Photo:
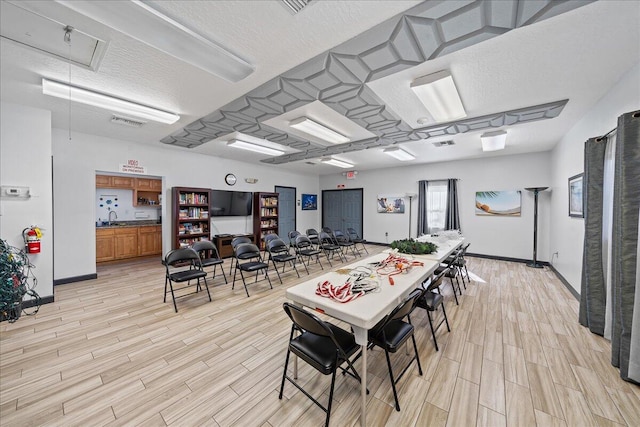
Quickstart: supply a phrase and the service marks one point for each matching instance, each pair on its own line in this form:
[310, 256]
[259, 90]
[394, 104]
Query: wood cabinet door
[122, 182]
[105, 246]
[126, 242]
[103, 181]
[143, 183]
[150, 241]
[156, 184]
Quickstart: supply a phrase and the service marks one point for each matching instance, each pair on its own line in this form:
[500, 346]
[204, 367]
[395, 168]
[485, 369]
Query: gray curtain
[625, 277]
[593, 289]
[626, 209]
[452, 218]
[423, 226]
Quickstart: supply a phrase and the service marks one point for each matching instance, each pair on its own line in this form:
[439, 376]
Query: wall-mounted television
[230, 203]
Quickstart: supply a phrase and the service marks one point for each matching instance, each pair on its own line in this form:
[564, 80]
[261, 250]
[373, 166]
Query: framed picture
[576, 208]
[390, 204]
[498, 203]
[309, 202]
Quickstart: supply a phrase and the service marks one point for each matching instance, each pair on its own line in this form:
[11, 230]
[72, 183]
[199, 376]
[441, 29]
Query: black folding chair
[235, 242]
[279, 252]
[392, 332]
[345, 243]
[249, 260]
[183, 265]
[322, 345]
[356, 239]
[431, 301]
[209, 256]
[305, 248]
[329, 247]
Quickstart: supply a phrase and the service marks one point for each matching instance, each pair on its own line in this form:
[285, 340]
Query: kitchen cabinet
[150, 240]
[148, 184]
[105, 245]
[114, 181]
[117, 243]
[103, 181]
[147, 192]
[126, 242]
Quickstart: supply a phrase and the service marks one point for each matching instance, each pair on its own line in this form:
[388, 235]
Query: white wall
[567, 159]
[122, 205]
[76, 161]
[499, 236]
[25, 160]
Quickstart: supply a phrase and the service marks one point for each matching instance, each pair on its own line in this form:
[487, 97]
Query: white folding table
[364, 312]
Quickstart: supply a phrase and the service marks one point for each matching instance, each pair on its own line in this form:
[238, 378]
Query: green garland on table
[414, 247]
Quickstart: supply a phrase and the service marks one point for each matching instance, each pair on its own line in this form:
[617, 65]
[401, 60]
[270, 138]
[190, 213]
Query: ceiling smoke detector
[127, 121]
[444, 143]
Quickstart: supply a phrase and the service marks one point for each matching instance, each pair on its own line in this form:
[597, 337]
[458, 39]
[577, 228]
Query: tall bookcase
[190, 215]
[265, 216]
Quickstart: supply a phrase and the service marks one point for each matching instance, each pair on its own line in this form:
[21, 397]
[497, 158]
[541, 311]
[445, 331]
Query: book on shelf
[192, 199]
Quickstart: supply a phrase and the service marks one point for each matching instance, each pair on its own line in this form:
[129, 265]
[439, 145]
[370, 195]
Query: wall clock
[230, 179]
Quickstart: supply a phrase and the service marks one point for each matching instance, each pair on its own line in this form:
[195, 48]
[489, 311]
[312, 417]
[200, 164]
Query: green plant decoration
[410, 246]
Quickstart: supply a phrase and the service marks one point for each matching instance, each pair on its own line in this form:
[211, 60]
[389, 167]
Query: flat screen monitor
[230, 203]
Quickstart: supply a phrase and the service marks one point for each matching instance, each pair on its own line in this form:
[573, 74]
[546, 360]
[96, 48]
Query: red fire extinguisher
[31, 236]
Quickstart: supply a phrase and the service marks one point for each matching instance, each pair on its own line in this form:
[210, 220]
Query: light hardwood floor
[109, 352]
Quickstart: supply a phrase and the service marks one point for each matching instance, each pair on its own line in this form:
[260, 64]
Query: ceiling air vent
[126, 121]
[444, 143]
[295, 6]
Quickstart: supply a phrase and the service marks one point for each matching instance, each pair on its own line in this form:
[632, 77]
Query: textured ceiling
[338, 79]
[356, 59]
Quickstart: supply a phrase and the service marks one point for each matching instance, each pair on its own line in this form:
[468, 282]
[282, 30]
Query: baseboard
[75, 279]
[565, 282]
[32, 302]
[13, 315]
[377, 243]
[504, 258]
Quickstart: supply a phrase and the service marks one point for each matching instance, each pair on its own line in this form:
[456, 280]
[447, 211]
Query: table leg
[363, 387]
[362, 339]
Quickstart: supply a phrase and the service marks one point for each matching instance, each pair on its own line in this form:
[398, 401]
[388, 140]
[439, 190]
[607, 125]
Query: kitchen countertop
[129, 224]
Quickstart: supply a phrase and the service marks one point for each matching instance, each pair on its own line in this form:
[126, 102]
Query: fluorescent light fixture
[438, 93]
[312, 128]
[100, 100]
[243, 145]
[399, 153]
[336, 162]
[492, 141]
[141, 21]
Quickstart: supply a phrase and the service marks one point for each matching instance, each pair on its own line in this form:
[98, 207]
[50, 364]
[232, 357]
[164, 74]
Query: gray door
[287, 211]
[342, 209]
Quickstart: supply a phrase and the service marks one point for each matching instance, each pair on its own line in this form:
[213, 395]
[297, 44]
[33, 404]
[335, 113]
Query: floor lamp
[410, 196]
[535, 191]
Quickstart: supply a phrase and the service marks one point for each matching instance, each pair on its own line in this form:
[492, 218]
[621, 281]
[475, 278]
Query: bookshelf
[265, 216]
[190, 215]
